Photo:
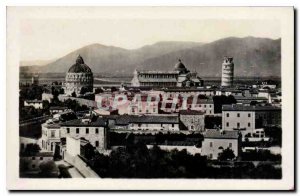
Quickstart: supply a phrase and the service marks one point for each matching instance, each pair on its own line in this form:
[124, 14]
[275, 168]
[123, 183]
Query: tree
[222, 100]
[32, 149]
[226, 154]
[73, 94]
[98, 90]
[48, 169]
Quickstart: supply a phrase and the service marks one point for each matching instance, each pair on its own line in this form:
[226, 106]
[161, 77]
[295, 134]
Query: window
[52, 133]
[210, 106]
[97, 143]
[205, 106]
[97, 131]
[238, 125]
[249, 115]
[227, 115]
[172, 125]
[33, 158]
[68, 130]
[139, 125]
[77, 130]
[41, 158]
[249, 124]
[230, 145]
[87, 130]
[210, 144]
[227, 124]
[238, 114]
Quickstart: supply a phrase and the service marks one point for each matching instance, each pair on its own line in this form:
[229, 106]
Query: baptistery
[79, 78]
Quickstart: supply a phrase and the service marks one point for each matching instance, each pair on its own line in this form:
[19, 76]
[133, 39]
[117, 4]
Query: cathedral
[79, 78]
[179, 77]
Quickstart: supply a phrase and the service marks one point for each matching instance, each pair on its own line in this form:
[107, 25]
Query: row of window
[87, 130]
[238, 115]
[157, 76]
[139, 125]
[237, 124]
[211, 145]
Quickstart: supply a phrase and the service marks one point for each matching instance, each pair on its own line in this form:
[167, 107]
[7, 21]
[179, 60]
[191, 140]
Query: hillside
[252, 57]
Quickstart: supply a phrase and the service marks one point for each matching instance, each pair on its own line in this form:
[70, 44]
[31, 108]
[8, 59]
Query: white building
[215, 141]
[37, 104]
[249, 118]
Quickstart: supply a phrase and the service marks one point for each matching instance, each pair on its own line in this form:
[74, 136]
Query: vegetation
[48, 170]
[260, 155]
[212, 122]
[226, 154]
[31, 149]
[222, 100]
[117, 139]
[137, 161]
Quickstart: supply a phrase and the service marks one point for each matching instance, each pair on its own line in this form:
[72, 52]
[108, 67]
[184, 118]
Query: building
[180, 77]
[249, 118]
[192, 120]
[79, 78]
[32, 162]
[35, 79]
[143, 104]
[93, 129]
[215, 141]
[37, 104]
[227, 72]
[79, 146]
[57, 109]
[144, 123]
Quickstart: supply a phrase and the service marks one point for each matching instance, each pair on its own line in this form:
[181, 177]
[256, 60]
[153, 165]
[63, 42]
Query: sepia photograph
[150, 98]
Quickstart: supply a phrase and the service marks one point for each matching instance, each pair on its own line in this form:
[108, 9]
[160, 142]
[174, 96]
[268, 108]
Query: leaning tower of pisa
[227, 72]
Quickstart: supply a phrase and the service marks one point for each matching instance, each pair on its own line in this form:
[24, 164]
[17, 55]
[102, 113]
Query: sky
[48, 39]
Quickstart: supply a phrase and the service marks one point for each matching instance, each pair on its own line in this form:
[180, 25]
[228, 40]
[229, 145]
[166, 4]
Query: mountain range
[252, 57]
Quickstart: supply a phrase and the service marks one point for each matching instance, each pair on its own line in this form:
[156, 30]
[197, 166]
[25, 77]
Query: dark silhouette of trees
[226, 154]
[222, 100]
[31, 149]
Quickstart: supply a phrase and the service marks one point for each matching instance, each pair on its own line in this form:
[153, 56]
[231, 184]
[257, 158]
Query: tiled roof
[217, 134]
[58, 108]
[240, 107]
[157, 72]
[191, 112]
[127, 119]
[34, 101]
[98, 122]
[141, 79]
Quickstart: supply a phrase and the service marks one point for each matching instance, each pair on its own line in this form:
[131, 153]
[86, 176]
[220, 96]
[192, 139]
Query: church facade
[179, 77]
[79, 78]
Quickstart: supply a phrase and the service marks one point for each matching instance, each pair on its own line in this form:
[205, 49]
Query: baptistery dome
[79, 78]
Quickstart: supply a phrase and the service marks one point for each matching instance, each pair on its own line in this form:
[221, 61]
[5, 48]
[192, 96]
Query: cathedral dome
[180, 67]
[79, 66]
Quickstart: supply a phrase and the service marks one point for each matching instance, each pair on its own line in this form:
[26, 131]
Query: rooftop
[95, 122]
[240, 107]
[190, 112]
[217, 134]
[127, 119]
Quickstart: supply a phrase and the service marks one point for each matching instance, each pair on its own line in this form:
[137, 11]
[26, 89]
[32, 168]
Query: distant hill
[252, 57]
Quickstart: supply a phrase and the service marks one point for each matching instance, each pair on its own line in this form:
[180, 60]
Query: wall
[213, 152]
[92, 136]
[81, 166]
[232, 120]
[193, 122]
